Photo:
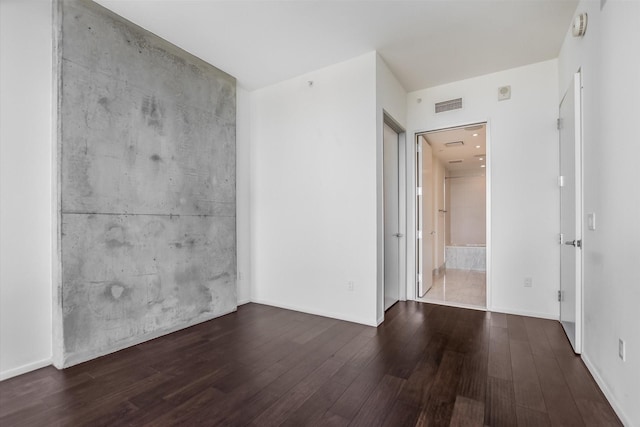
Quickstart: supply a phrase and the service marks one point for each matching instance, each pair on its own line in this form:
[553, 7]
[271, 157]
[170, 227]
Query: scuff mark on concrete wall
[147, 143]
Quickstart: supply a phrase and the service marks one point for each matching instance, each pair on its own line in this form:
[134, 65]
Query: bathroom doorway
[451, 200]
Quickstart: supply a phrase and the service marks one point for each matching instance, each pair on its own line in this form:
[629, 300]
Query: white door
[570, 294]
[392, 235]
[425, 203]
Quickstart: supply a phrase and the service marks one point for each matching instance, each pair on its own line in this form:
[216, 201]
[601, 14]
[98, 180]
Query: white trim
[389, 120]
[550, 316]
[580, 213]
[10, 373]
[606, 391]
[411, 157]
[488, 202]
[577, 87]
[243, 301]
[315, 312]
[576, 83]
[402, 215]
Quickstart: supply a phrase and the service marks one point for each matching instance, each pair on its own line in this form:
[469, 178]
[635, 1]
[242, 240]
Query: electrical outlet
[528, 282]
[350, 286]
[621, 349]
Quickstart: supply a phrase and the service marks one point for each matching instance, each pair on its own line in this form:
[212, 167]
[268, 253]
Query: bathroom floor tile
[466, 287]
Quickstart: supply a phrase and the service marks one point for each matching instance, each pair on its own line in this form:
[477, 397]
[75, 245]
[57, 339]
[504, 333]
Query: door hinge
[419, 278]
[418, 191]
[419, 234]
[419, 150]
[559, 123]
[561, 238]
[560, 296]
[561, 181]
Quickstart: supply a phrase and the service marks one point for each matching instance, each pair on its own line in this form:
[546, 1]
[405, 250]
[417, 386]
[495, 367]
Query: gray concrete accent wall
[146, 160]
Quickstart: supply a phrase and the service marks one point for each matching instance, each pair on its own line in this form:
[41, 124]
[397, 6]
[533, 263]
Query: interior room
[211, 213]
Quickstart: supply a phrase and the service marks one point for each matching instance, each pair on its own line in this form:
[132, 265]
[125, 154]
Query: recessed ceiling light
[475, 134]
[477, 146]
[482, 166]
[480, 158]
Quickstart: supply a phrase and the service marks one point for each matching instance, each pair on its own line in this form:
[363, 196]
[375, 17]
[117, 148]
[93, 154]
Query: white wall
[25, 185]
[243, 194]
[313, 192]
[608, 56]
[466, 210]
[391, 98]
[523, 163]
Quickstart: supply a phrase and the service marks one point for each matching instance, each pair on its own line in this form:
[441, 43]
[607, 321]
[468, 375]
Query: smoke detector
[504, 93]
[579, 25]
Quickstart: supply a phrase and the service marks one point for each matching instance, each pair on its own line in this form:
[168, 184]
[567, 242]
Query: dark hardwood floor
[264, 366]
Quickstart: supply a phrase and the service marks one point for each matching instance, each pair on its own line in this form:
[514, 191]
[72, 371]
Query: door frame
[402, 216]
[576, 82]
[412, 221]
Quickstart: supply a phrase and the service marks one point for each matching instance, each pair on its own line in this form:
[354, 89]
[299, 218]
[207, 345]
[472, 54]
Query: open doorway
[451, 238]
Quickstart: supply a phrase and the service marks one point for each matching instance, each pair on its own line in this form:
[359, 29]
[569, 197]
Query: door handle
[574, 243]
[399, 235]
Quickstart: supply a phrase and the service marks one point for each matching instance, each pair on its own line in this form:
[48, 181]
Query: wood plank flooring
[264, 366]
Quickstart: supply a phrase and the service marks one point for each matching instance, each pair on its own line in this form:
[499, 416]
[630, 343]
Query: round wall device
[580, 25]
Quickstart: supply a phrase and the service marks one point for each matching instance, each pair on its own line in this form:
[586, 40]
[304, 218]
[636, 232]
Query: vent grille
[454, 144]
[452, 104]
[455, 161]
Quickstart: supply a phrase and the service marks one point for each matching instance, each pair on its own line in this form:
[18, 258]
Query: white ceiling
[425, 43]
[472, 151]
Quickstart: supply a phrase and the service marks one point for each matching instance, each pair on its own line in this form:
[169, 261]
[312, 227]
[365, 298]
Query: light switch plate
[591, 221]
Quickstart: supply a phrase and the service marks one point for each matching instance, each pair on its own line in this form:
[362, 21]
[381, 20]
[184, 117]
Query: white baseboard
[243, 301]
[525, 313]
[315, 312]
[10, 373]
[607, 392]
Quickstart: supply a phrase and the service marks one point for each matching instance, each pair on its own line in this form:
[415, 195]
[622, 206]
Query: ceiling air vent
[452, 104]
[454, 144]
[455, 161]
